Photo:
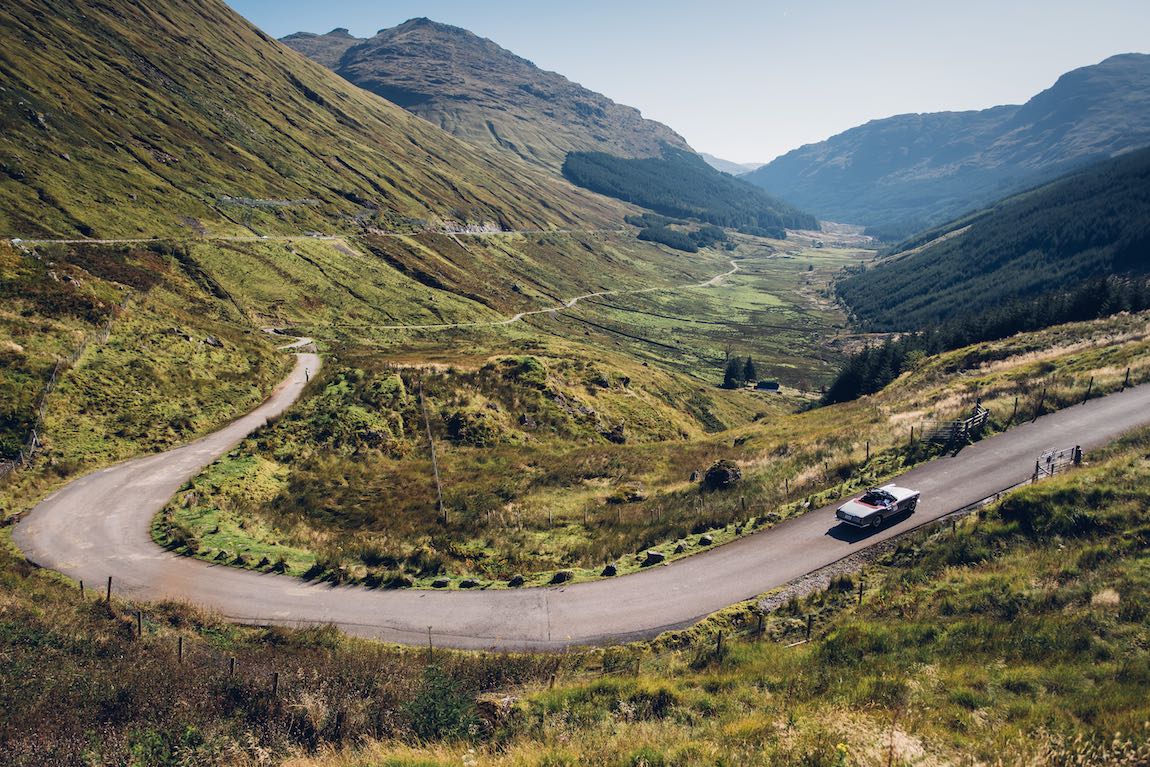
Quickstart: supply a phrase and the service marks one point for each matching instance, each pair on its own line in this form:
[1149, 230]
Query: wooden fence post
[108, 595]
[1041, 402]
[1014, 413]
[275, 684]
[868, 451]
[810, 624]
[81, 588]
[180, 649]
[139, 623]
[232, 666]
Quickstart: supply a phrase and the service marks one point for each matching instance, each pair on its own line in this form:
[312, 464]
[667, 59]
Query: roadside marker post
[139, 623]
[81, 589]
[810, 624]
[232, 666]
[180, 649]
[1089, 389]
[108, 596]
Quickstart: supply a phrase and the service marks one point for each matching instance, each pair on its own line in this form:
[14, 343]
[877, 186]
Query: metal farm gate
[1056, 461]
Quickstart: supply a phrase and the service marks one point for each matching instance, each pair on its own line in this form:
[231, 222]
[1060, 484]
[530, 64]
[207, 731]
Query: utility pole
[440, 508]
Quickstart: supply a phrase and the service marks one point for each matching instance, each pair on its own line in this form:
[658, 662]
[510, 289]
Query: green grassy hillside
[124, 120]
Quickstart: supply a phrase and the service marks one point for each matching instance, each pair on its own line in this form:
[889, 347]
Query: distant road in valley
[98, 526]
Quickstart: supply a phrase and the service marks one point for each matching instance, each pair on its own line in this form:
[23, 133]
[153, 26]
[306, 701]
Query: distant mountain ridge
[727, 166]
[479, 91]
[908, 172]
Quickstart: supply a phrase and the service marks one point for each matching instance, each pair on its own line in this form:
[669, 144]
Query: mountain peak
[478, 90]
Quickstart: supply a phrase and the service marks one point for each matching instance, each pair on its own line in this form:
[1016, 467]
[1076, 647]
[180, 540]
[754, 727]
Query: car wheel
[876, 522]
[912, 505]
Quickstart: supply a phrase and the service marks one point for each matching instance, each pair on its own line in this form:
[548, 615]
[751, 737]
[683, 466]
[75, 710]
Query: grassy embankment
[1017, 639]
[178, 360]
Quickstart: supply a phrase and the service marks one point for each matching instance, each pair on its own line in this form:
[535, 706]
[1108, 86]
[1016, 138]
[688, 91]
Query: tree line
[872, 368]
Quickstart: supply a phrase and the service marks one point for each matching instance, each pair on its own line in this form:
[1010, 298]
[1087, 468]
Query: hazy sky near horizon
[748, 80]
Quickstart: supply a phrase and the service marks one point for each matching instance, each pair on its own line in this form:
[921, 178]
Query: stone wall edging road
[99, 526]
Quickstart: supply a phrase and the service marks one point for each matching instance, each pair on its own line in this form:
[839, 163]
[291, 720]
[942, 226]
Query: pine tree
[750, 375]
[733, 374]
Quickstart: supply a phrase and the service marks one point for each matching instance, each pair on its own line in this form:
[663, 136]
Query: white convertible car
[871, 508]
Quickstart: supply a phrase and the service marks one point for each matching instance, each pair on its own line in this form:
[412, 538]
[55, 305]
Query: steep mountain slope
[125, 119]
[477, 90]
[1091, 224]
[912, 171]
[682, 184]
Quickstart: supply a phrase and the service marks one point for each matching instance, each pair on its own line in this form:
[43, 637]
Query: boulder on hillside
[722, 475]
[653, 558]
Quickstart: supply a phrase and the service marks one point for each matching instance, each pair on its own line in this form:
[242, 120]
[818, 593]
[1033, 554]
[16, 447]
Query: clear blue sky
[750, 79]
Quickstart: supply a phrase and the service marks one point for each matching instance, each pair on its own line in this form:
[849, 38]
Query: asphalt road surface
[98, 526]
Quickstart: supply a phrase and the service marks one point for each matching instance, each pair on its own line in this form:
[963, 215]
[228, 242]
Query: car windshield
[875, 497]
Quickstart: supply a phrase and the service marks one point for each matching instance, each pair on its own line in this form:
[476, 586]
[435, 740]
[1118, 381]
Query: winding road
[98, 526]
